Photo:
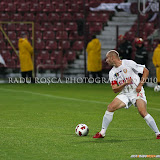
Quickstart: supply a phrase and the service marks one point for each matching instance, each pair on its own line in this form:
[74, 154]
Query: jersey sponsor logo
[121, 82]
[116, 74]
[125, 70]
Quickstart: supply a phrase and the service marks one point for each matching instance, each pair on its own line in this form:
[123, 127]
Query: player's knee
[110, 108]
[143, 113]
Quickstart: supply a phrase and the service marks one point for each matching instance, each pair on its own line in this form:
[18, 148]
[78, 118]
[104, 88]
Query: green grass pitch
[37, 122]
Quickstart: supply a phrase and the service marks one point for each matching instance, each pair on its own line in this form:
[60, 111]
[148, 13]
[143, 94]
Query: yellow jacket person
[156, 62]
[94, 62]
[25, 55]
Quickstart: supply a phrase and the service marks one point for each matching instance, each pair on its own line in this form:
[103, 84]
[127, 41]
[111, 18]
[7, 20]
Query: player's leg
[24, 75]
[158, 75]
[108, 116]
[141, 105]
[30, 75]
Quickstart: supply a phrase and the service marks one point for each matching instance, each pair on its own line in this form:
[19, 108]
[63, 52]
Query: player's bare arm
[119, 88]
[143, 79]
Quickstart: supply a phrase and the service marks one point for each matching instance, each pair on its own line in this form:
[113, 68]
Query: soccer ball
[81, 130]
[157, 88]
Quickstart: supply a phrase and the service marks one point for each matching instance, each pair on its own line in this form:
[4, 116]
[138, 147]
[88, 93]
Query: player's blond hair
[113, 52]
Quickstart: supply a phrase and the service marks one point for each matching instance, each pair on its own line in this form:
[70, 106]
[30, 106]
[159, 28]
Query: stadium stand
[56, 27]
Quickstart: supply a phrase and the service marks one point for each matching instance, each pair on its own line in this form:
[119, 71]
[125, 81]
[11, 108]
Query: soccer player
[124, 79]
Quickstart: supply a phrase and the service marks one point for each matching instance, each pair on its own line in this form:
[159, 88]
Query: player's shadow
[105, 140]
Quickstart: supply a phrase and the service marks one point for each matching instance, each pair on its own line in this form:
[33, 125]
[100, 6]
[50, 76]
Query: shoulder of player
[112, 71]
[126, 61]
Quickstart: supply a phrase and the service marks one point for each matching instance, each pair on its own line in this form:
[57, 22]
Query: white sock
[107, 118]
[151, 123]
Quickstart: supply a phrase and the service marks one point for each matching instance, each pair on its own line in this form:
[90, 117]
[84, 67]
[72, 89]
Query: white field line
[56, 97]
[69, 99]
[56, 127]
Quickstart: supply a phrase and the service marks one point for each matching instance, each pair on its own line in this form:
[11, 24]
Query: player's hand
[138, 89]
[129, 81]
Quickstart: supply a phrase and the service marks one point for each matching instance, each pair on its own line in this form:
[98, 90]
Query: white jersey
[128, 69]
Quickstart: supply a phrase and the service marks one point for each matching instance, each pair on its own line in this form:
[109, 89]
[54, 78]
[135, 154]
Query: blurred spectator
[141, 55]
[156, 62]
[94, 62]
[124, 47]
[25, 57]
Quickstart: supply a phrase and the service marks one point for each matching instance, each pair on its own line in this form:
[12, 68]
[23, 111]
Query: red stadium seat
[23, 7]
[78, 45]
[2, 6]
[62, 35]
[41, 17]
[11, 7]
[63, 44]
[143, 35]
[53, 17]
[39, 45]
[46, 26]
[37, 26]
[103, 17]
[6, 54]
[15, 57]
[1, 35]
[11, 27]
[58, 26]
[2, 44]
[94, 3]
[14, 43]
[4, 17]
[48, 35]
[73, 35]
[68, 2]
[149, 28]
[78, 16]
[12, 35]
[43, 2]
[60, 7]
[48, 7]
[95, 27]
[66, 17]
[10, 63]
[92, 17]
[32, 1]
[50, 45]
[71, 26]
[43, 56]
[38, 61]
[56, 57]
[29, 17]
[16, 2]
[16, 17]
[71, 56]
[55, 2]
[35, 7]
[130, 36]
[73, 8]
[60, 61]
[81, 1]
[38, 35]
[6, 1]
[21, 27]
